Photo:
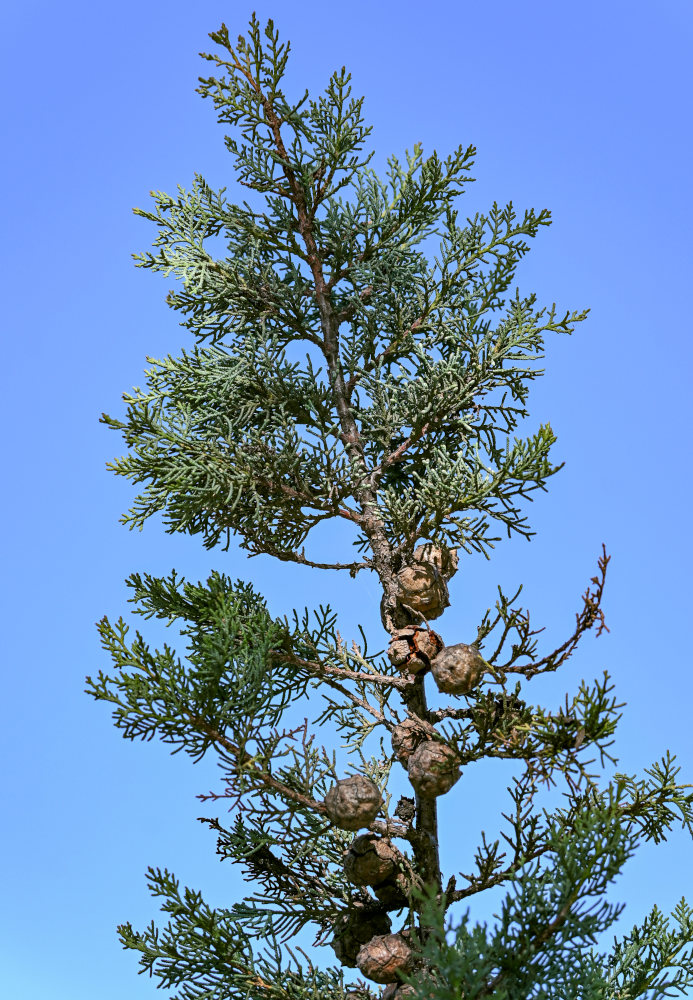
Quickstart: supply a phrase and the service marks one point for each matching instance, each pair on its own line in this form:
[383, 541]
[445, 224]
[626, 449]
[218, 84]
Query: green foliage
[337, 373]
[653, 961]
[543, 943]
[240, 671]
[243, 437]
[227, 681]
[206, 954]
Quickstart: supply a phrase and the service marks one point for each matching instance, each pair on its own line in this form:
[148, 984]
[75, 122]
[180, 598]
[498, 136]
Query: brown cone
[421, 588]
[370, 860]
[406, 737]
[384, 957]
[353, 802]
[458, 669]
[397, 992]
[353, 929]
[423, 584]
[443, 559]
[412, 648]
[393, 894]
[433, 769]
[406, 808]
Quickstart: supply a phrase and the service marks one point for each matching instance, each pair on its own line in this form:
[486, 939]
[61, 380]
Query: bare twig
[591, 614]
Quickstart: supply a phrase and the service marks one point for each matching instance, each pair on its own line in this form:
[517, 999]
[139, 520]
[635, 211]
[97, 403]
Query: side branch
[386, 352]
[398, 454]
[265, 866]
[310, 501]
[591, 614]
[264, 777]
[538, 939]
[286, 555]
[315, 667]
[354, 699]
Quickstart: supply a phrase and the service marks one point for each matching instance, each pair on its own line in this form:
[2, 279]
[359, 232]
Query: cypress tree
[336, 374]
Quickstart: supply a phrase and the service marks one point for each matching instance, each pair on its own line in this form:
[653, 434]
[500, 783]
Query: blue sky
[582, 108]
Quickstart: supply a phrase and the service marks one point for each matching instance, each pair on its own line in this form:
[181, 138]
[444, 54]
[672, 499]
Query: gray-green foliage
[242, 435]
[337, 373]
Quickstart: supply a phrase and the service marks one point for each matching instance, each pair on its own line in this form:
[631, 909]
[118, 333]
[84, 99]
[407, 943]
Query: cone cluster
[432, 766]
[456, 669]
[362, 936]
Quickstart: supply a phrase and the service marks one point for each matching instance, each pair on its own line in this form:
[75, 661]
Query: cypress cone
[413, 648]
[354, 928]
[406, 808]
[370, 860]
[398, 992]
[384, 957]
[458, 669]
[353, 802]
[423, 583]
[394, 893]
[406, 737]
[433, 769]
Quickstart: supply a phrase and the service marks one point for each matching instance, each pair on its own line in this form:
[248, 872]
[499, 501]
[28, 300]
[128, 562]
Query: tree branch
[399, 453]
[299, 557]
[263, 776]
[379, 358]
[590, 615]
[316, 667]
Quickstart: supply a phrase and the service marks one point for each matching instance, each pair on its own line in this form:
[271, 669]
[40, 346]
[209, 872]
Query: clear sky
[580, 107]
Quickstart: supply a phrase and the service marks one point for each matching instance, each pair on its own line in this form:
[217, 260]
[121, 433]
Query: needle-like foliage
[338, 373]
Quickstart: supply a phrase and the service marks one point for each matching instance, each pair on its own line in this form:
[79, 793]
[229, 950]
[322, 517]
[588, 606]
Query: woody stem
[426, 847]
[426, 850]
